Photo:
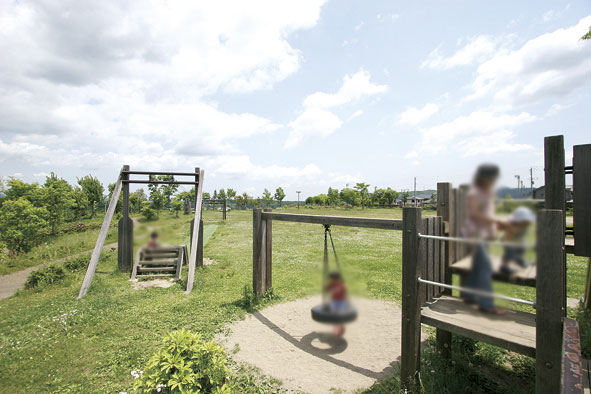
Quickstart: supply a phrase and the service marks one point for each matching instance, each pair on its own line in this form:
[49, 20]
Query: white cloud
[553, 64]
[478, 132]
[354, 88]
[356, 114]
[476, 50]
[414, 116]
[314, 122]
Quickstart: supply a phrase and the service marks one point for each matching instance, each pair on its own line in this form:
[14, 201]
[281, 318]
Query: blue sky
[299, 94]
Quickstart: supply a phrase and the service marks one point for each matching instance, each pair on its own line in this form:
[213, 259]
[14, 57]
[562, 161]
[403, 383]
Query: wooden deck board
[523, 276]
[515, 331]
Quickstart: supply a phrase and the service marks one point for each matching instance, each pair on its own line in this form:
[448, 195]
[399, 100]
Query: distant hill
[515, 193]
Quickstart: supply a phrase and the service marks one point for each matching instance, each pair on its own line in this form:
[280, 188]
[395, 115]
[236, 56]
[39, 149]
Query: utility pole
[531, 178]
[298, 192]
[415, 192]
[518, 180]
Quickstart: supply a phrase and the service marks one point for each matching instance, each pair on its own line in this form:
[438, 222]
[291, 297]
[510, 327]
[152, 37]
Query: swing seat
[323, 313]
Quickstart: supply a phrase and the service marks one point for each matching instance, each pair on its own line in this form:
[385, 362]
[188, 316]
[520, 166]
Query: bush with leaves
[21, 225]
[148, 212]
[45, 276]
[185, 364]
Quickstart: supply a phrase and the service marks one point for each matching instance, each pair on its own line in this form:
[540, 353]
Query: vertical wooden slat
[582, 199]
[555, 189]
[411, 295]
[100, 242]
[550, 245]
[269, 253]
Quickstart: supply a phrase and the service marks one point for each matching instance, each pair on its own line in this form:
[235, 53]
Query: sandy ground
[284, 342]
[148, 284]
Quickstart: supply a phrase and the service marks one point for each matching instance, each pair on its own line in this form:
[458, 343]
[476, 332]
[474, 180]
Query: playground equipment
[433, 250]
[323, 313]
[213, 203]
[125, 228]
[160, 262]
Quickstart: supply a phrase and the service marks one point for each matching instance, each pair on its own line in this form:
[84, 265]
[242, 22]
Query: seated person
[153, 241]
[516, 231]
[338, 297]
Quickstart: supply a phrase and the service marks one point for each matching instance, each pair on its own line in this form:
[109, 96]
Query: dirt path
[9, 284]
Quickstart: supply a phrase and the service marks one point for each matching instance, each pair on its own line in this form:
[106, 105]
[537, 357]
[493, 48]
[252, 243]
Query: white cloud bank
[413, 116]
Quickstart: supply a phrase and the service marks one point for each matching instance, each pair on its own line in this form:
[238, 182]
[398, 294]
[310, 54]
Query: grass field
[52, 342]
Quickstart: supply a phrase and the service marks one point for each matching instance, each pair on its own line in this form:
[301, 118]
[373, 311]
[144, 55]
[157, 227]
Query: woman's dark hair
[335, 275]
[154, 235]
[486, 172]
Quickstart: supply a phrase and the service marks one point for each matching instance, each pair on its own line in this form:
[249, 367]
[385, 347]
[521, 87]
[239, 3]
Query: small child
[516, 230]
[338, 297]
[153, 241]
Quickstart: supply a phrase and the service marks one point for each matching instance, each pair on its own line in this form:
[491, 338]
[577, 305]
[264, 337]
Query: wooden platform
[515, 331]
[523, 276]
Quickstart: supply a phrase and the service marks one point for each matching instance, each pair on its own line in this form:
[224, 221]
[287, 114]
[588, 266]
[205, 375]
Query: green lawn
[52, 342]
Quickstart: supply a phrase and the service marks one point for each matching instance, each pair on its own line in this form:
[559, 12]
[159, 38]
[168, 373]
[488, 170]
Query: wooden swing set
[164, 261]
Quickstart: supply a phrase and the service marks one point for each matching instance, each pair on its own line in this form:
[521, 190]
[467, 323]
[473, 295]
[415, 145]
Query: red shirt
[338, 291]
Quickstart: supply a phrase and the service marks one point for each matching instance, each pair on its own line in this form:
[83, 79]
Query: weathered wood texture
[100, 242]
[268, 252]
[549, 301]
[384, 224]
[200, 243]
[125, 229]
[412, 268]
[446, 211]
[555, 189]
[572, 362]
[258, 252]
[582, 199]
[195, 237]
[515, 331]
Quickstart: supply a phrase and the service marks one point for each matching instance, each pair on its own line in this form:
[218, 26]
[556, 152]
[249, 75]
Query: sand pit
[148, 284]
[285, 343]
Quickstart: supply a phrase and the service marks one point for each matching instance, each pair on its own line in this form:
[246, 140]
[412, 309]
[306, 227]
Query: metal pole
[473, 241]
[477, 292]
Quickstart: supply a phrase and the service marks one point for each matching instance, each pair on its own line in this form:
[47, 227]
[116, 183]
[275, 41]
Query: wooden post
[550, 249]
[125, 230]
[195, 236]
[258, 252]
[446, 211]
[555, 191]
[100, 242]
[224, 210]
[200, 245]
[268, 252]
[582, 199]
[413, 258]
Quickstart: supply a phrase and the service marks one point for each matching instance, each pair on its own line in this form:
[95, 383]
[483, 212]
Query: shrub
[185, 364]
[21, 224]
[76, 263]
[45, 276]
[148, 212]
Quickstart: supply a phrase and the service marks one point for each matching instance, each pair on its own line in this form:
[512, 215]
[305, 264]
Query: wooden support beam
[413, 259]
[549, 300]
[100, 242]
[384, 224]
[582, 199]
[268, 252]
[199, 175]
[258, 252]
[125, 229]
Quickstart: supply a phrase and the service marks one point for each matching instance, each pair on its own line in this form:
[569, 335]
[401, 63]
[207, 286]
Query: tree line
[358, 196]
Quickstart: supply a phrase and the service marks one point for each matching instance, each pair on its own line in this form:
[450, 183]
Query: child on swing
[338, 297]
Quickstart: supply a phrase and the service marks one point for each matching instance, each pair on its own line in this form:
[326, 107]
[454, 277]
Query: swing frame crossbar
[477, 292]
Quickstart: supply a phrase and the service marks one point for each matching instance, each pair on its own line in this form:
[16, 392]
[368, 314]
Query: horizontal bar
[212, 201]
[161, 173]
[474, 241]
[384, 224]
[160, 182]
[477, 292]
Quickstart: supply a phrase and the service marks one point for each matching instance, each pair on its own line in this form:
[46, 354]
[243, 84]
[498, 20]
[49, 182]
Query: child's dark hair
[154, 235]
[335, 275]
[486, 172]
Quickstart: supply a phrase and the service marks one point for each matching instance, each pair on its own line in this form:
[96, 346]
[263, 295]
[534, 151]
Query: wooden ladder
[159, 262]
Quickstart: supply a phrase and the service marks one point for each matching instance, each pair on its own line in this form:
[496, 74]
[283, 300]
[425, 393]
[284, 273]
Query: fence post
[550, 248]
[268, 252]
[125, 230]
[258, 251]
[412, 268]
[446, 211]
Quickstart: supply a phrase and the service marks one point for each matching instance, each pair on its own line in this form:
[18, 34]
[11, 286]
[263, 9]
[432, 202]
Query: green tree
[206, 196]
[57, 198]
[177, 205]
[215, 194]
[279, 195]
[222, 195]
[31, 191]
[333, 196]
[111, 189]
[148, 211]
[362, 188]
[21, 224]
[136, 199]
[404, 196]
[79, 203]
[267, 198]
[351, 197]
[168, 190]
[231, 193]
[93, 188]
[390, 196]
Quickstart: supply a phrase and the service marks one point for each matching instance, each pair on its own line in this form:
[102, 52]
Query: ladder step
[155, 276]
[160, 254]
[156, 269]
[159, 262]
